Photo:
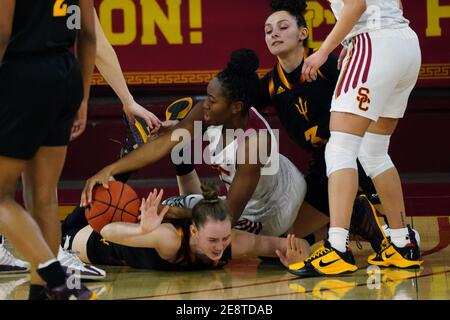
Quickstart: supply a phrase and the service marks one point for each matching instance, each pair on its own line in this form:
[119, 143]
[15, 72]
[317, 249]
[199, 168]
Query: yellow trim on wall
[433, 71]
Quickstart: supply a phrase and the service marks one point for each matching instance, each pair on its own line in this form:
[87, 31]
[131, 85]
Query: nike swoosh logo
[324, 264]
[389, 255]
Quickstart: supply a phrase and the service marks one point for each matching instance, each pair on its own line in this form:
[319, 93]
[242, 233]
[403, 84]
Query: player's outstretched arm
[144, 155]
[352, 11]
[108, 64]
[86, 47]
[289, 250]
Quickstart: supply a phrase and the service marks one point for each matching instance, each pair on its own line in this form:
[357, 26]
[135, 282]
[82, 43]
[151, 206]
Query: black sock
[53, 275]
[37, 292]
[73, 223]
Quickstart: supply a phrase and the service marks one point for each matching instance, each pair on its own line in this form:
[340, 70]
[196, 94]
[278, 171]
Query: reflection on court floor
[253, 279]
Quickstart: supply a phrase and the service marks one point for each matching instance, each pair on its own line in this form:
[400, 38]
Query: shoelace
[318, 253]
[7, 258]
[358, 244]
[385, 243]
[175, 202]
[70, 258]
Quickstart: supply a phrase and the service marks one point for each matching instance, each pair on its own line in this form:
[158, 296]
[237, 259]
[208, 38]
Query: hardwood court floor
[252, 279]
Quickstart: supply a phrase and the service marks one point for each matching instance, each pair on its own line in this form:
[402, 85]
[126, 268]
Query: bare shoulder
[169, 242]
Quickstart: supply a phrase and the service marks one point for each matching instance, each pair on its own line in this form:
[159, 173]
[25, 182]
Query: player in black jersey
[303, 107]
[41, 89]
[205, 241]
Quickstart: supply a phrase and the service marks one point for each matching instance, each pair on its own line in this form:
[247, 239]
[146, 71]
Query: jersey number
[311, 135]
[59, 9]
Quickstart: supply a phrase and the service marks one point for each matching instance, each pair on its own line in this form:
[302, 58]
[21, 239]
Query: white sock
[338, 238]
[387, 233]
[416, 233]
[400, 237]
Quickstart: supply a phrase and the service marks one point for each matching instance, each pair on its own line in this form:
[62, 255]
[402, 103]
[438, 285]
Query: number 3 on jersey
[311, 135]
[59, 9]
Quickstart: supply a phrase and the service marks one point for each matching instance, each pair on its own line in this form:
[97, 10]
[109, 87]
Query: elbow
[360, 6]
[88, 36]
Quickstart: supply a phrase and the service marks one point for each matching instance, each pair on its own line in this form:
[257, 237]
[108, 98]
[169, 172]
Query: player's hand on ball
[102, 177]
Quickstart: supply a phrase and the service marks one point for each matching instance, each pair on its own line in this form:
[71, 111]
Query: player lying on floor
[269, 203]
[205, 241]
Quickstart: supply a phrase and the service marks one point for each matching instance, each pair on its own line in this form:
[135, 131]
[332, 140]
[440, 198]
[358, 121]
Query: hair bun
[293, 6]
[243, 62]
[210, 192]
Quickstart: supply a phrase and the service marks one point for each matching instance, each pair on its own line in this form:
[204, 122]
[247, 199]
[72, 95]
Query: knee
[40, 199]
[341, 151]
[373, 154]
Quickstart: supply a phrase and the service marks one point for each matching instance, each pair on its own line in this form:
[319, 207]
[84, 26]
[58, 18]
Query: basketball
[118, 203]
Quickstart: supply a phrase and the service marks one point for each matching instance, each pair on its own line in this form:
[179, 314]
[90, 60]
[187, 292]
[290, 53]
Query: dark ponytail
[239, 79]
[296, 8]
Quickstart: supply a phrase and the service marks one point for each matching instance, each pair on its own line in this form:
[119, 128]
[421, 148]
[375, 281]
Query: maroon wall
[420, 145]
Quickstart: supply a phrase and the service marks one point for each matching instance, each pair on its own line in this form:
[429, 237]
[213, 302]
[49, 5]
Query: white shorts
[379, 72]
[278, 211]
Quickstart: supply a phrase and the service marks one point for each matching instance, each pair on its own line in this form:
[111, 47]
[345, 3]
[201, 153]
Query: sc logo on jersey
[61, 9]
[363, 99]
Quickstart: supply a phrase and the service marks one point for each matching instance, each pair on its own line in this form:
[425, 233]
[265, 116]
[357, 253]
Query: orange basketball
[118, 203]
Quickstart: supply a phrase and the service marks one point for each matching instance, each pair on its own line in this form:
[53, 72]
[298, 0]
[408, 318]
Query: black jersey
[42, 25]
[303, 107]
[103, 252]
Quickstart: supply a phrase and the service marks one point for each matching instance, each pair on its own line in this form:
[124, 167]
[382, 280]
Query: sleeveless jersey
[270, 194]
[380, 14]
[41, 26]
[148, 258]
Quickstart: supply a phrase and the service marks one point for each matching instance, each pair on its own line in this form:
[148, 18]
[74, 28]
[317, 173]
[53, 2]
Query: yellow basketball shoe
[179, 109]
[391, 255]
[325, 261]
[137, 133]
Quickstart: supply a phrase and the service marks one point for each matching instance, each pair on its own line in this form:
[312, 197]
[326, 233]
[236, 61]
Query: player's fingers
[313, 74]
[150, 197]
[306, 72]
[83, 198]
[163, 212]
[88, 193]
[282, 257]
[159, 197]
[143, 205]
[104, 183]
[290, 244]
[148, 121]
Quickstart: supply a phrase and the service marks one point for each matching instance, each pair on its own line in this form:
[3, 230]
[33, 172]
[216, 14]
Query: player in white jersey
[380, 69]
[267, 190]
[280, 190]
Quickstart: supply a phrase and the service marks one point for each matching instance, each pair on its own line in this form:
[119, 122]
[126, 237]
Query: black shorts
[39, 97]
[102, 252]
[317, 184]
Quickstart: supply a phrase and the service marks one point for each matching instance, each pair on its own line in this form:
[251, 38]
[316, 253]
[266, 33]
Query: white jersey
[281, 187]
[380, 14]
